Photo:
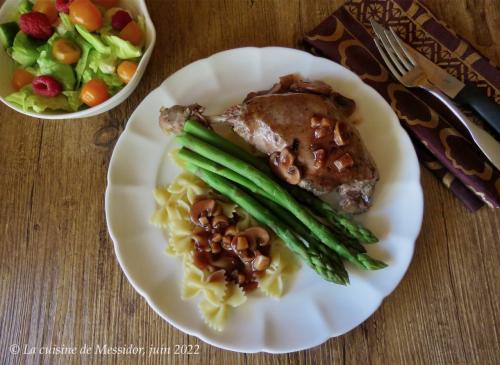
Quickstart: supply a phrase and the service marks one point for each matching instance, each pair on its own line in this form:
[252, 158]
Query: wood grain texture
[60, 282]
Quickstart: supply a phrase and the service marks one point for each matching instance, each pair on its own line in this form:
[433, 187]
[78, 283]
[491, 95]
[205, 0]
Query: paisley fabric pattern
[443, 146]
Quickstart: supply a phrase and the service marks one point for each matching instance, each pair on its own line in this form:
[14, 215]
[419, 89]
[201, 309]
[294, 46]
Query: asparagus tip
[370, 263]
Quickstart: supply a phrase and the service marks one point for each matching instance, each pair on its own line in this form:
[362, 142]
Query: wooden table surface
[60, 281]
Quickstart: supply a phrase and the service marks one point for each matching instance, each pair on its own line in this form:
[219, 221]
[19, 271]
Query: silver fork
[405, 68]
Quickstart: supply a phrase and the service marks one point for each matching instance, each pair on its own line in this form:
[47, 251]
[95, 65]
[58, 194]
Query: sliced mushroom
[218, 210]
[287, 158]
[216, 277]
[246, 255]
[282, 165]
[321, 132]
[325, 122]
[226, 243]
[217, 237]
[225, 262]
[261, 262]
[293, 175]
[257, 235]
[202, 208]
[198, 230]
[315, 121]
[201, 242]
[241, 278]
[220, 222]
[241, 243]
[204, 221]
[340, 136]
[319, 158]
[231, 231]
[215, 247]
[343, 162]
[274, 159]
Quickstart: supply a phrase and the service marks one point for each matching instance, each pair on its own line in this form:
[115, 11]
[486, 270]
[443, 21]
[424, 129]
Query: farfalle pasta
[187, 186]
[283, 264]
[197, 281]
[219, 290]
[245, 219]
[215, 314]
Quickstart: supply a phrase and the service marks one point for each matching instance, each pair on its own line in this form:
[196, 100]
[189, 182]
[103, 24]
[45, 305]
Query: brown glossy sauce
[223, 259]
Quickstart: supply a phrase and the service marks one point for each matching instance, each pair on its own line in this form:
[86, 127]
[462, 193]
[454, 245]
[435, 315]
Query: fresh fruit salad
[71, 54]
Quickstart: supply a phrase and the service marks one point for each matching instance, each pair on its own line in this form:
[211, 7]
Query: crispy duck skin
[305, 128]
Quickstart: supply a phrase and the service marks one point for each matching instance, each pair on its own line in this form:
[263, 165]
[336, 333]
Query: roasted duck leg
[306, 130]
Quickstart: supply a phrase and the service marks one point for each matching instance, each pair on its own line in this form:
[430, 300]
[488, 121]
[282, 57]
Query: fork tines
[393, 51]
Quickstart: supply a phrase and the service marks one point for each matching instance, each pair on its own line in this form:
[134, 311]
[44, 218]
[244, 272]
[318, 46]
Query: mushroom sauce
[223, 250]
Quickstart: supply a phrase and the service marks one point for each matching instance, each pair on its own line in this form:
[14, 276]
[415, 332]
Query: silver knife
[456, 90]
[414, 70]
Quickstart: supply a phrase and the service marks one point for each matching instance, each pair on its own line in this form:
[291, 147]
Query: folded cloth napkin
[442, 145]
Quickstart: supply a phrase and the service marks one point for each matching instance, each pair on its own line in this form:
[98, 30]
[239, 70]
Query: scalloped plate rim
[269, 349]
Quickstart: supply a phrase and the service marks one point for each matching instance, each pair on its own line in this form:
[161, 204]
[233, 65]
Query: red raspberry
[36, 25]
[46, 86]
[120, 19]
[63, 5]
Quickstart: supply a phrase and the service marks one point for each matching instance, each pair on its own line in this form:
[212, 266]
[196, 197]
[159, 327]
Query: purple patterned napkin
[442, 144]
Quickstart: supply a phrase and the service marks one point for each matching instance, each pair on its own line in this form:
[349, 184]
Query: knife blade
[456, 90]
[411, 73]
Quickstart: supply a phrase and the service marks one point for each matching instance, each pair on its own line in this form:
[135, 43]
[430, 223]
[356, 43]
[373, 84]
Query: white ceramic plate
[313, 310]
[137, 7]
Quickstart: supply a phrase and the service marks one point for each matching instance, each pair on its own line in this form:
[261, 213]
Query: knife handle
[486, 108]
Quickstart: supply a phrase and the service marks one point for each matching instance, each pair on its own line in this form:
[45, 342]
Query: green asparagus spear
[320, 207]
[209, 136]
[306, 235]
[283, 197]
[200, 161]
[314, 258]
[333, 216]
[195, 159]
[209, 165]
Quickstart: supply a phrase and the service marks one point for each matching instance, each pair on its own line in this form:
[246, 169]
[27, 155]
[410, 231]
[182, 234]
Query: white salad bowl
[137, 7]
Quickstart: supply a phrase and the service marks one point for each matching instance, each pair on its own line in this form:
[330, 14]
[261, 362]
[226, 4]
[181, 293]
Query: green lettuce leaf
[54, 37]
[19, 97]
[25, 49]
[105, 30]
[24, 6]
[111, 80]
[98, 61]
[41, 103]
[65, 25]
[27, 99]
[121, 48]
[83, 61]
[73, 98]
[94, 40]
[62, 73]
